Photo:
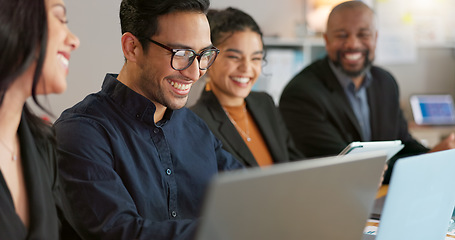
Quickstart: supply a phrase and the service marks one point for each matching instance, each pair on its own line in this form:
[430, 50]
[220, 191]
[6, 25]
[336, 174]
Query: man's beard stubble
[366, 65]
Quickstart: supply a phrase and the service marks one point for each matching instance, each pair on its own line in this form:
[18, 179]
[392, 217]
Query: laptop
[323, 199]
[436, 109]
[420, 199]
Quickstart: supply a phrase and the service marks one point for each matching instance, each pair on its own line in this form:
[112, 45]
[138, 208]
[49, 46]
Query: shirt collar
[346, 81]
[131, 102]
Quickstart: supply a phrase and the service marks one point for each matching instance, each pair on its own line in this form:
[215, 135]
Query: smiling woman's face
[61, 42]
[238, 65]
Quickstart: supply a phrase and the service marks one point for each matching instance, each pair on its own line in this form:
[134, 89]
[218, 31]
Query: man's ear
[131, 47]
[326, 39]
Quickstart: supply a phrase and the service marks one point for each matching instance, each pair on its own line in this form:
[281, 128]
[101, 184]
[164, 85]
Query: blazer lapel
[341, 101]
[339, 97]
[230, 135]
[12, 224]
[374, 111]
[261, 116]
[40, 196]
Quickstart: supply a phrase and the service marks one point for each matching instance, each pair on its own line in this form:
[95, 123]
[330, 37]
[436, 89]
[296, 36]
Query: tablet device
[390, 147]
[434, 109]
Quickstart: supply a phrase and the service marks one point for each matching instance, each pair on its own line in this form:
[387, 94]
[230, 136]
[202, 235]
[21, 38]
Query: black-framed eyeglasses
[181, 59]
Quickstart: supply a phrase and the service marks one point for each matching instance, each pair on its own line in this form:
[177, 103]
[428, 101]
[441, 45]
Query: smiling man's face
[351, 39]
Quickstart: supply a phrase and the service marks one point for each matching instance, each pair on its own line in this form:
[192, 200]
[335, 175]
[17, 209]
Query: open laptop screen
[323, 199]
[433, 109]
[420, 198]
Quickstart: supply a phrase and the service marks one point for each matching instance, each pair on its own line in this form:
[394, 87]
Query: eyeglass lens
[182, 59]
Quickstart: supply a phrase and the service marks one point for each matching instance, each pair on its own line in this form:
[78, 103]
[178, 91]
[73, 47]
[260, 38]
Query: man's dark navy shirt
[125, 177]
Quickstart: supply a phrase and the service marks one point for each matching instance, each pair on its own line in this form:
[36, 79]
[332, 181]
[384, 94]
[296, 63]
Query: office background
[417, 43]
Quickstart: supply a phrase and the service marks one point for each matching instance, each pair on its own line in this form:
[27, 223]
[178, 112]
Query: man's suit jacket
[267, 118]
[322, 122]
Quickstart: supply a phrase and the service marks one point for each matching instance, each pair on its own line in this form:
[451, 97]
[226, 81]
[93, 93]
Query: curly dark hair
[224, 23]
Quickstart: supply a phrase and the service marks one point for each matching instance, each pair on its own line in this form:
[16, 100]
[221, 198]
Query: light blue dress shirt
[357, 98]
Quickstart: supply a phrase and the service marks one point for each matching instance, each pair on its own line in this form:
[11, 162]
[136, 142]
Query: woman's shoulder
[262, 97]
[39, 138]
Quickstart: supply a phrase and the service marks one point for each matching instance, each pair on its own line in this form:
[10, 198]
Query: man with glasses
[133, 163]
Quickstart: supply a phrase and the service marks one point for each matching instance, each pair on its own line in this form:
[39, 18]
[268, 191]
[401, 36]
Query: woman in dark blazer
[248, 123]
[35, 46]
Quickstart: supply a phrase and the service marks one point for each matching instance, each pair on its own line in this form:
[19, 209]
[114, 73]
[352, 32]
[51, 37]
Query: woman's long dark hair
[23, 41]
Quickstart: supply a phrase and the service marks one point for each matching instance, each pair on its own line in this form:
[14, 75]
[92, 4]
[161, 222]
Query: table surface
[382, 191]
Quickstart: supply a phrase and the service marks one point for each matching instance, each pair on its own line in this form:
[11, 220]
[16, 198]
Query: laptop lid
[420, 198]
[435, 109]
[324, 199]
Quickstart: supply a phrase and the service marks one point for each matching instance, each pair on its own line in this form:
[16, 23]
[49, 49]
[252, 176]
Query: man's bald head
[349, 5]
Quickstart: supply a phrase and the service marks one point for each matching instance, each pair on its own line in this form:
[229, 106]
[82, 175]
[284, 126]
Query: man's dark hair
[140, 17]
[23, 42]
[224, 23]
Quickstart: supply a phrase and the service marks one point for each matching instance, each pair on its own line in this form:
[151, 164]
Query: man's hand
[446, 144]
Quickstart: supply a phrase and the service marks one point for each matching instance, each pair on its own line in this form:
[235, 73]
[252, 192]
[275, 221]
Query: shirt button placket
[160, 140]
